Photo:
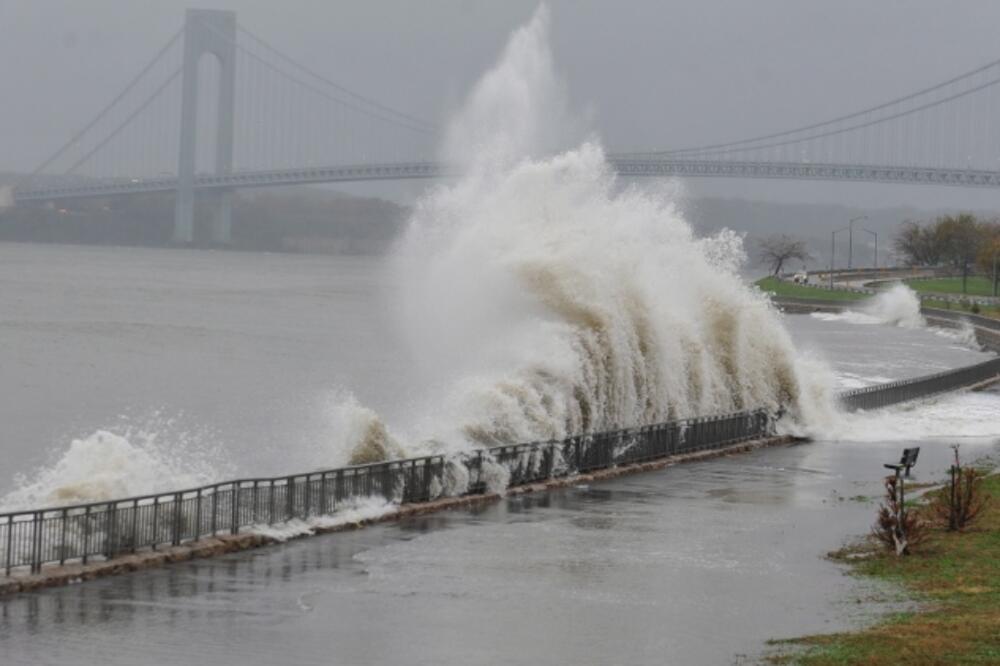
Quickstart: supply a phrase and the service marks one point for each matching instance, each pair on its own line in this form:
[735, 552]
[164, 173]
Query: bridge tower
[206, 32]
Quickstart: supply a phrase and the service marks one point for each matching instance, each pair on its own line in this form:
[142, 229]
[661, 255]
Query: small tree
[961, 500]
[777, 249]
[919, 245]
[896, 527]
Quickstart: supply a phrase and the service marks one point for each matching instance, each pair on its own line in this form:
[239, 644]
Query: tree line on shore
[962, 242]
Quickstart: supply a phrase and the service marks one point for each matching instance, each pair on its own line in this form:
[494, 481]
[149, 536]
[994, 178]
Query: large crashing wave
[550, 299]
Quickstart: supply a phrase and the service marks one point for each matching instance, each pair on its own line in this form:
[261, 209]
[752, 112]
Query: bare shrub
[896, 527]
[962, 500]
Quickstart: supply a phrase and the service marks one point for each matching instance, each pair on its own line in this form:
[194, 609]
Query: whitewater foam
[900, 306]
[124, 461]
[953, 416]
[896, 306]
[352, 511]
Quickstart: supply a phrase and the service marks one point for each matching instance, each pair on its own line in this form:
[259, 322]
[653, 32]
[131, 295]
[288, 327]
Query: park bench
[908, 460]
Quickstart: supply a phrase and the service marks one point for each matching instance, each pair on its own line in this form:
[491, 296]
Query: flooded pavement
[697, 563]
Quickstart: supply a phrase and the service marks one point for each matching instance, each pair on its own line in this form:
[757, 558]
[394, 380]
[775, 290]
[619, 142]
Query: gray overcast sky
[654, 73]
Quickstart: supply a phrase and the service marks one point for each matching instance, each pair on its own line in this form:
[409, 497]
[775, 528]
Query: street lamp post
[833, 251]
[850, 238]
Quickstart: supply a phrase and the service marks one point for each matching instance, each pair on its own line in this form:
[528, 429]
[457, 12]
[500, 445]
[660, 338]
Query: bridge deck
[624, 165]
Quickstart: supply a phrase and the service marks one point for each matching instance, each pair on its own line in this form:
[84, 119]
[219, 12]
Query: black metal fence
[116, 527]
[883, 395]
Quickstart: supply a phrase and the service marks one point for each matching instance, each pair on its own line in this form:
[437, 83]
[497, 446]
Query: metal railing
[883, 395]
[116, 527]
[112, 528]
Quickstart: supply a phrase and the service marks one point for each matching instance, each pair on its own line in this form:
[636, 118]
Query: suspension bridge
[218, 108]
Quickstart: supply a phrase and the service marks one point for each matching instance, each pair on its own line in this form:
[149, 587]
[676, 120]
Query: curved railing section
[883, 395]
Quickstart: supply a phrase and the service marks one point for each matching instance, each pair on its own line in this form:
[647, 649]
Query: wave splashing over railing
[127, 460]
[548, 299]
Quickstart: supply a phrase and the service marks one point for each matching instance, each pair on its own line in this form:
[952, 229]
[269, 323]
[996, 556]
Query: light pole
[833, 251]
[850, 238]
[875, 264]
[996, 257]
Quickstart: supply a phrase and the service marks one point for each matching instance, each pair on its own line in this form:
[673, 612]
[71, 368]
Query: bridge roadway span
[628, 166]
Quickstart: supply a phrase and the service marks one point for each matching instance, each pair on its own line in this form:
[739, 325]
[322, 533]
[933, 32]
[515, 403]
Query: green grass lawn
[792, 290]
[957, 577]
[976, 286]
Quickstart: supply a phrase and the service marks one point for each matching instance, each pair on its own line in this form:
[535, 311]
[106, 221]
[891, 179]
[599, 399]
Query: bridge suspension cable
[333, 98]
[103, 113]
[124, 123]
[840, 130]
[408, 118]
[894, 103]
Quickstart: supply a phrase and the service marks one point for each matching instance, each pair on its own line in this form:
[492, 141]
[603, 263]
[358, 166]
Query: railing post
[109, 531]
[236, 507]
[253, 510]
[62, 538]
[155, 540]
[290, 498]
[178, 519]
[410, 482]
[135, 524]
[479, 471]
[389, 482]
[197, 515]
[426, 480]
[307, 492]
[270, 501]
[322, 494]
[36, 528]
[215, 510]
[10, 542]
[86, 533]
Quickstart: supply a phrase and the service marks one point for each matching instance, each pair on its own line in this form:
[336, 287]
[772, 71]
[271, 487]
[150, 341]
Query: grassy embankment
[976, 285]
[792, 290]
[956, 576]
